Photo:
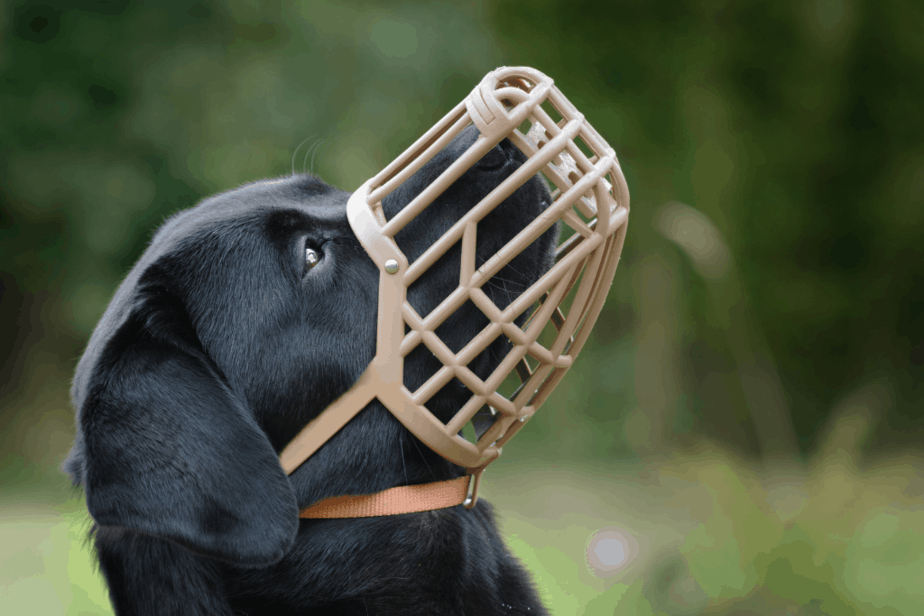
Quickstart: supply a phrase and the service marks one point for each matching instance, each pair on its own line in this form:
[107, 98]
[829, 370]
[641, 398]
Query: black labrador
[221, 344]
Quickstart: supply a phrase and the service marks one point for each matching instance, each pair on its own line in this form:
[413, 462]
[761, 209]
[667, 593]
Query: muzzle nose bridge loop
[488, 113]
[590, 198]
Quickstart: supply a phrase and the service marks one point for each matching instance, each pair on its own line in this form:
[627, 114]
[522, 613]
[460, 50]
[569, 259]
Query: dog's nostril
[494, 159]
[508, 146]
[512, 152]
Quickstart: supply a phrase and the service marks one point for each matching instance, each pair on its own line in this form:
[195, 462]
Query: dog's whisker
[511, 268]
[311, 152]
[316, 151]
[307, 154]
[500, 284]
[304, 141]
[422, 457]
[403, 465]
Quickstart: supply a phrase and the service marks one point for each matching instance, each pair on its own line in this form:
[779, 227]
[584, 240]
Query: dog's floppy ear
[166, 448]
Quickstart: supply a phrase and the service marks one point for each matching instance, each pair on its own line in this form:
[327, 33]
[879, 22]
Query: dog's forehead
[322, 204]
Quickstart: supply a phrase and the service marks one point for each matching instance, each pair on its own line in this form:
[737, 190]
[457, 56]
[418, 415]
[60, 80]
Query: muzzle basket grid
[590, 198]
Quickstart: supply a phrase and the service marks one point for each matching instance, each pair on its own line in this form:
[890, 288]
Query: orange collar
[402, 499]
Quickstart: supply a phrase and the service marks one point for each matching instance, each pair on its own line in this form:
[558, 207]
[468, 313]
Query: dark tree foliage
[824, 210]
[795, 127]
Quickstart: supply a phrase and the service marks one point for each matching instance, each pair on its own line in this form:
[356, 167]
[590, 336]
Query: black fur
[220, 346]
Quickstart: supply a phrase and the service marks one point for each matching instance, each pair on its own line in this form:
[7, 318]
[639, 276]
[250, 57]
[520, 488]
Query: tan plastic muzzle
[591, 200]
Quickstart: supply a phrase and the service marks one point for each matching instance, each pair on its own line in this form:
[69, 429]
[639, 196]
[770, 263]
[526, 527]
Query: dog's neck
[392, 457]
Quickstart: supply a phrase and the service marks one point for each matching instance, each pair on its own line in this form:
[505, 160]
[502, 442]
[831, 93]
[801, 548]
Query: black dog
[220, 345]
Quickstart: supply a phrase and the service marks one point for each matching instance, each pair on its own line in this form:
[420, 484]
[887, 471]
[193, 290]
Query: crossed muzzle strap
[590, 202]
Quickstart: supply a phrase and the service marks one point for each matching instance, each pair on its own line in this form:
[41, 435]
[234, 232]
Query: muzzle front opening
[545, 324]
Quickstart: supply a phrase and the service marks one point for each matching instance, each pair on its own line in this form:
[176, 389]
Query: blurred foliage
[796, 127]
[779, 312]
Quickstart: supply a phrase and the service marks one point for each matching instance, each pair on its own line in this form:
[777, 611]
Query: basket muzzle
[546, 324]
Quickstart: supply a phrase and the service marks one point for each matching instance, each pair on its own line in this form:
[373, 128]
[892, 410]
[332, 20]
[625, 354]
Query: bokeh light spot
[611, 550]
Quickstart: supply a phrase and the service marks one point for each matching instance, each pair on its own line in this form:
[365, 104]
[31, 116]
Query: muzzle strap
[590, 204]
[402, 499]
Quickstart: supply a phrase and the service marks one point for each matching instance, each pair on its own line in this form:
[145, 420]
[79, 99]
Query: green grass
[719, 536]
[715, 535]
[45, 563]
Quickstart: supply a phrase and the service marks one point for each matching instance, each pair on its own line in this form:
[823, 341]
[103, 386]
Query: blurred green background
[743, 433]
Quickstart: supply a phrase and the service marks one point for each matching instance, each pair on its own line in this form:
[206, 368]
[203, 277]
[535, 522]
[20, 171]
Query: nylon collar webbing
[393, 501]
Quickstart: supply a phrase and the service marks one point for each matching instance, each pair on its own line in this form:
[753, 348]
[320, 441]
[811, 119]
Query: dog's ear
[166, 448]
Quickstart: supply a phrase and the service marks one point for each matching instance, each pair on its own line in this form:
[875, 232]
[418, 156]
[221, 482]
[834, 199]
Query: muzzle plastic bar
[591, 200]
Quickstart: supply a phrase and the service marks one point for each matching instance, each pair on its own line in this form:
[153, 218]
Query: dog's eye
[312, 257]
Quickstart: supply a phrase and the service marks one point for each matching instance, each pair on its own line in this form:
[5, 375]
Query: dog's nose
[500, 155]
[495, 158]
[513, 152]
[507, 146]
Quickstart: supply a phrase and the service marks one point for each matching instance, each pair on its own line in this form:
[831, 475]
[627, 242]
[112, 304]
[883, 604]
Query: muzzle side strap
[394, 501]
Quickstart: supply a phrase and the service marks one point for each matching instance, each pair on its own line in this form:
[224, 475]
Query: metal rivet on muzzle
[391, 266]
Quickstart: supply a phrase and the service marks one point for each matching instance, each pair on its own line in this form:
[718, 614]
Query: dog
[221, 343]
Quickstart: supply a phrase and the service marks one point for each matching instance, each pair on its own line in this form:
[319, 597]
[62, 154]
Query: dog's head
[224, 341]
